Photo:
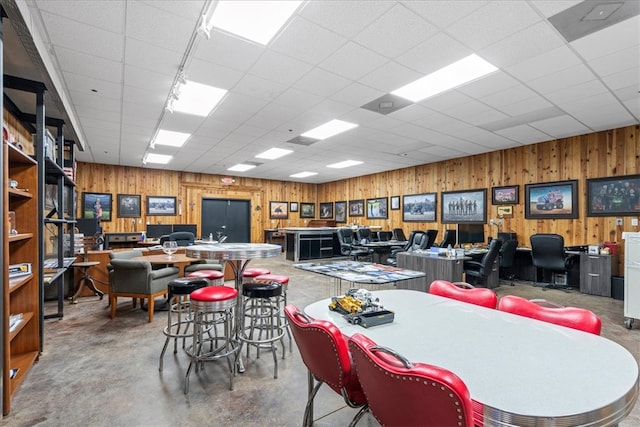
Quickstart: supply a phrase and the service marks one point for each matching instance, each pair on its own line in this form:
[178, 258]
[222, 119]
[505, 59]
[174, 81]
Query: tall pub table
[519, 371]
[238, 256]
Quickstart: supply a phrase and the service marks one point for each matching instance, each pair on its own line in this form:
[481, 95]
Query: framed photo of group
[97, 205]
[505, 195]
[614, 196]
[129, 205]
[419, 207]
[551, 200]
[468, 206]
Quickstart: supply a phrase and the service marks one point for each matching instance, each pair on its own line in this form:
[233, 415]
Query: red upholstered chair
[479, 296]
[325, 353]
[401, 393]
[571, 317]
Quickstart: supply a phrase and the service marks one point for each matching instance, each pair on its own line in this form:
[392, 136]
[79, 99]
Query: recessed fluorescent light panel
[241, 167]
[257, 21]
[453, 75]
[171, 138]
[162, 159]
[303, 174]
[345, 164]
[329, 129]
[198, 99]
[274, 153]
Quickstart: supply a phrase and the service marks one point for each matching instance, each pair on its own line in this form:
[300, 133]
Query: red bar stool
[215, 277]
[251, 273]
[284, 281]
[206, 304]
[179, 316]
[261, 318]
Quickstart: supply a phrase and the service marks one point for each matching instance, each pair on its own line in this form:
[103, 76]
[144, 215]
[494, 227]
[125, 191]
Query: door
[230, 217]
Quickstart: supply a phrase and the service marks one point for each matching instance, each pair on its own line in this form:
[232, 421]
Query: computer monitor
[507, 235]
[89, 226]
[470, 233]
[192, 228]
[154, 231]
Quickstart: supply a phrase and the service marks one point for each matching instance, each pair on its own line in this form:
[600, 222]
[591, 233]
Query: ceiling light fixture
[303, 174]
[449, 77]
[258, 21]
[170, 138]
[162, 159]
[345, 164]
[198, 99]
[241, 167]
[274, 153]
[329, 129]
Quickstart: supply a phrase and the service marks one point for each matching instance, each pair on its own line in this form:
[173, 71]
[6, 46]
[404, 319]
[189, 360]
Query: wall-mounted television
[470, 233]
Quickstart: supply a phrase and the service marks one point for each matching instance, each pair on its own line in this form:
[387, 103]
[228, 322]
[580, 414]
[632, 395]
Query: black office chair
[431, 235]
[184, 238]
[384, 236]
[392, 260]
[548, 254]
[345, 237]
[507, 255]
[164, 238]
[398, 234]
[449, 239]
[364, 234]
[477, 272]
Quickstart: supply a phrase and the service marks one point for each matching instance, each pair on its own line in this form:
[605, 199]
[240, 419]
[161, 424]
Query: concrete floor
[100, 372]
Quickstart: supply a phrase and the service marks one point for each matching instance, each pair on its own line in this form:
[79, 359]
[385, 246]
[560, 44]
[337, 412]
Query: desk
[435, 267]
[178, 260]
[521, 371]
[380, 249]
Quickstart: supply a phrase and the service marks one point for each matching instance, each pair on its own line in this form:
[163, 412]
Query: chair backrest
[547, 251]
[183, 238]
[431, 237]
[125, 254]
[419, 241]
[164, 238]
[449, 238]
[402, 393]
[486, 263]
[384, 236]
[571, 317]
[364, 233]
[325, 353]
[345, 238]
[127, 275]
[483, 297]
[507, 253]
[398, 234]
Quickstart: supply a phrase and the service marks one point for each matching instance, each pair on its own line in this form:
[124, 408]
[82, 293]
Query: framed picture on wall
[395, 203]
[307, 210]
[615, 196]
[551, 200]
[341, 211]
[419, 207]
[505, 195]
[293, 206]
[129, 205]
[326, 210]
[356, 207]
[464, 206]
[278, 210]
[161, 205]
[378, 208]
[96, 205]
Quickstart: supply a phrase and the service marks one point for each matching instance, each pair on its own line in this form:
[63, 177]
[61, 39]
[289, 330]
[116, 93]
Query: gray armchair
[209, 264]
[136, 279]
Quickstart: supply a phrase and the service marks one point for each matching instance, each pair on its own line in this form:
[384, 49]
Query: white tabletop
[523, 371]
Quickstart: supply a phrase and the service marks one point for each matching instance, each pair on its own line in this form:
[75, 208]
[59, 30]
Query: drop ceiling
[110, 66]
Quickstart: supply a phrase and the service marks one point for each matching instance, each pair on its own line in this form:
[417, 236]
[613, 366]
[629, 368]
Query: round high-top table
[519, 371]
[238, 256]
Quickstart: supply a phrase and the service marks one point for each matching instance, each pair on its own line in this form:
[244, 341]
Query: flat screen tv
[470, 233]
[154, 231]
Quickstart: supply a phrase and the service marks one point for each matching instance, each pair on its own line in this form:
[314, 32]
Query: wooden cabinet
[21, 339]
[595, 273]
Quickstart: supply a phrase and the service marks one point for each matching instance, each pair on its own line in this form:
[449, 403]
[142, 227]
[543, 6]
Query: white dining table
[519, 371]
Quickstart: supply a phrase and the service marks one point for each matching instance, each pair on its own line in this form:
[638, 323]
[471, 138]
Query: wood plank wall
[601, 154]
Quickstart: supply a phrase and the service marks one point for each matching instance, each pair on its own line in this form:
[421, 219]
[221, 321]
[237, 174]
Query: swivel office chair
[507, 255]
[398, 234]
[345, 237]
[184, 238]
[431, 237]
[364, 234]
[479, 271]
[417, 240]
[548, 255]
[449, 238]
[392, 260]
[384, 236]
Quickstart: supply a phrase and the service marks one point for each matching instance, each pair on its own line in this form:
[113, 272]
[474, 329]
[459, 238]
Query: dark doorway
[230, 217]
